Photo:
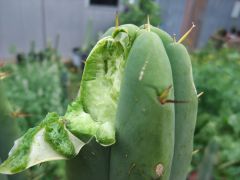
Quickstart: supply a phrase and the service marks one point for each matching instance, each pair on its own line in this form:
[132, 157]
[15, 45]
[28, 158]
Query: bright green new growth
[137, 84]
[56, 135]
[97, 102]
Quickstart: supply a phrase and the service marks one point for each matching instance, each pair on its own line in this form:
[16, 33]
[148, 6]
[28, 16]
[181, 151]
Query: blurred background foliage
[216, 73]
[136, 13]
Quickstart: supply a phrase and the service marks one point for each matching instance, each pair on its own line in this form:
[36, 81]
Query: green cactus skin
[129, 28]
[185, 113]
[144, 126]
[91, 163]
[164, 36]
[108, 32]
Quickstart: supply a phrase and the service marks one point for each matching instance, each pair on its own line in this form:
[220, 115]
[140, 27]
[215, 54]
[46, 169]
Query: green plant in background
[133, 107]
[216, 72]
[136, 12]
[38, 82]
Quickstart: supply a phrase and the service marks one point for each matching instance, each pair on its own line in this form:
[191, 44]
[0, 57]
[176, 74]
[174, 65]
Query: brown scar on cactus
[159, 170]
[186, 34]
[164, 95]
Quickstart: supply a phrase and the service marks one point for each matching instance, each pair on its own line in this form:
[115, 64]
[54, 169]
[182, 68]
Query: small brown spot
[159, 170]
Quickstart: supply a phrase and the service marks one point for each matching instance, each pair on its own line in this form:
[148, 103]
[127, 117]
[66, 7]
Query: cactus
[137, 85]
[142, 116]
[186, 112]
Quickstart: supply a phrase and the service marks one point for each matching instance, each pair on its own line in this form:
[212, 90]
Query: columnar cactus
[137, 84]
